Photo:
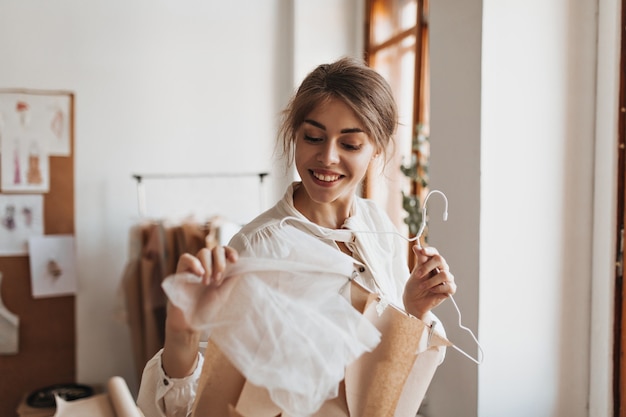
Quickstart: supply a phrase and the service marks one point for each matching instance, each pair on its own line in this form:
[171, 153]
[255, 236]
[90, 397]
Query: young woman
[342, 117]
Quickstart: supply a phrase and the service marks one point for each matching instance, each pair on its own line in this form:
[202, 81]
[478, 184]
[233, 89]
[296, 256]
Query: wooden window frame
[420, 115]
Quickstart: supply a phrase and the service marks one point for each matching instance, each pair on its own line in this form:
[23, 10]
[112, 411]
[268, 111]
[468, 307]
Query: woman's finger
[231, 254]
[191, 264]
[430, 264]
[219, 264]
[220, 257]
[205, 257]
[425, 250]
[442, 283]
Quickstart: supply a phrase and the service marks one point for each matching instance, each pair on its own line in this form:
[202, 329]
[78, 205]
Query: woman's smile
[325, 178]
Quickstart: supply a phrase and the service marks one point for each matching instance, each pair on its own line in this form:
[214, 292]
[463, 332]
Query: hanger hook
[445, 213]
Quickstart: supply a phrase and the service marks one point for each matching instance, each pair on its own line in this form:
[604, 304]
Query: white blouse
[380, 264]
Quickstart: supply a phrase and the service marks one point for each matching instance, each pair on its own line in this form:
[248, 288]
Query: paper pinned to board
[9, 328]
[21, 217]
[52, 263]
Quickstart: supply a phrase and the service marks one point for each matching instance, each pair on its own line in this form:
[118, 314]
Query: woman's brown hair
[363, 89]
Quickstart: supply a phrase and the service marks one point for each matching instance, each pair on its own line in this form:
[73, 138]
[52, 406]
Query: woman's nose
[329, 154]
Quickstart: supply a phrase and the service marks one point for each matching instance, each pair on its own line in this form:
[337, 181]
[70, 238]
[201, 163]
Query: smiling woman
[340, 119]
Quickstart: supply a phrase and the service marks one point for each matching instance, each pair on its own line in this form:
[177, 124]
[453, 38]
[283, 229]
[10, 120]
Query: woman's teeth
[326, 178]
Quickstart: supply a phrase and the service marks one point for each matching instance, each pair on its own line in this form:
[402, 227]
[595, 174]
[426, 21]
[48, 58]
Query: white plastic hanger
[417, 238]
[339, 233]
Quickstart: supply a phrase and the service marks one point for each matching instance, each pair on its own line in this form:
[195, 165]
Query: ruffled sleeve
[162, 396]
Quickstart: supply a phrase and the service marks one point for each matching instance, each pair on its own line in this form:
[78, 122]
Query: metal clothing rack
[141, 192]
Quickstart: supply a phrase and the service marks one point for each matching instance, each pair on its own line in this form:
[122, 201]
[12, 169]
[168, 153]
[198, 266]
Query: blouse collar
[292, 215]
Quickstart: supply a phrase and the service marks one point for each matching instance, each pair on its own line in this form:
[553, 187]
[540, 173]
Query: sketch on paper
[52, 265]
[21, 217]
[57, 113]
[45, 115]
[32, 127]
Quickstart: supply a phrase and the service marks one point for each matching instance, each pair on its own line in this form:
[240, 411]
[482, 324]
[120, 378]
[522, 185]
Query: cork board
[47, 336]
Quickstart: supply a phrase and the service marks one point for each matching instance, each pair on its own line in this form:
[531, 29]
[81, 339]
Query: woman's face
[332, 153]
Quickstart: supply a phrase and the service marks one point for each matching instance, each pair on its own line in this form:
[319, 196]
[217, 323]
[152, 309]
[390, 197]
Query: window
[397, 47]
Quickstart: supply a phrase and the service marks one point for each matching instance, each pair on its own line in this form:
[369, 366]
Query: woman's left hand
[430, 282]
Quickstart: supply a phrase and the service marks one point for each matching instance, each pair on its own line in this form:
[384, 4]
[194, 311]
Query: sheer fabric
[284, 323]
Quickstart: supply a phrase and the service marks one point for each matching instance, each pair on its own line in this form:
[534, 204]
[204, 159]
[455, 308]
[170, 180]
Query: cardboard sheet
[376, 380]
[219, 386]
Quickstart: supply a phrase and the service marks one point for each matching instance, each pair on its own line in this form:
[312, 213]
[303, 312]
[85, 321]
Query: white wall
[455, 47]
[537, 190]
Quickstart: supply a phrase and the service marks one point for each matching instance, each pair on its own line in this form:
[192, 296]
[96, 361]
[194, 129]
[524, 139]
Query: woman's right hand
[209, 264]
[181, 340]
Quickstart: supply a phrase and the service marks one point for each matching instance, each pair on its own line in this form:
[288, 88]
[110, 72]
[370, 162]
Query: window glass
[391, 18]
[397, 47]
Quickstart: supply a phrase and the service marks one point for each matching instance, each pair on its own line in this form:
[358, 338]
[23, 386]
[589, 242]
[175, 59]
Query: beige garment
[389, 381]
[134, 318]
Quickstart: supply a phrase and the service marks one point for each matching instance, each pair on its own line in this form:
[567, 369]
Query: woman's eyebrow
[321, 126]
[314, 123]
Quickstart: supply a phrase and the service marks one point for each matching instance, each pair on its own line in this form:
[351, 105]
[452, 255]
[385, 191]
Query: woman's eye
[351, 147]
[312, 139]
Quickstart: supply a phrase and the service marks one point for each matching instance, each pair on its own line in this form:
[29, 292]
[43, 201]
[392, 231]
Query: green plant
[417, 172]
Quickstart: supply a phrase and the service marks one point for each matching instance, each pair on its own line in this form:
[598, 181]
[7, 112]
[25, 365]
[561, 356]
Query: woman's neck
[331, 215]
